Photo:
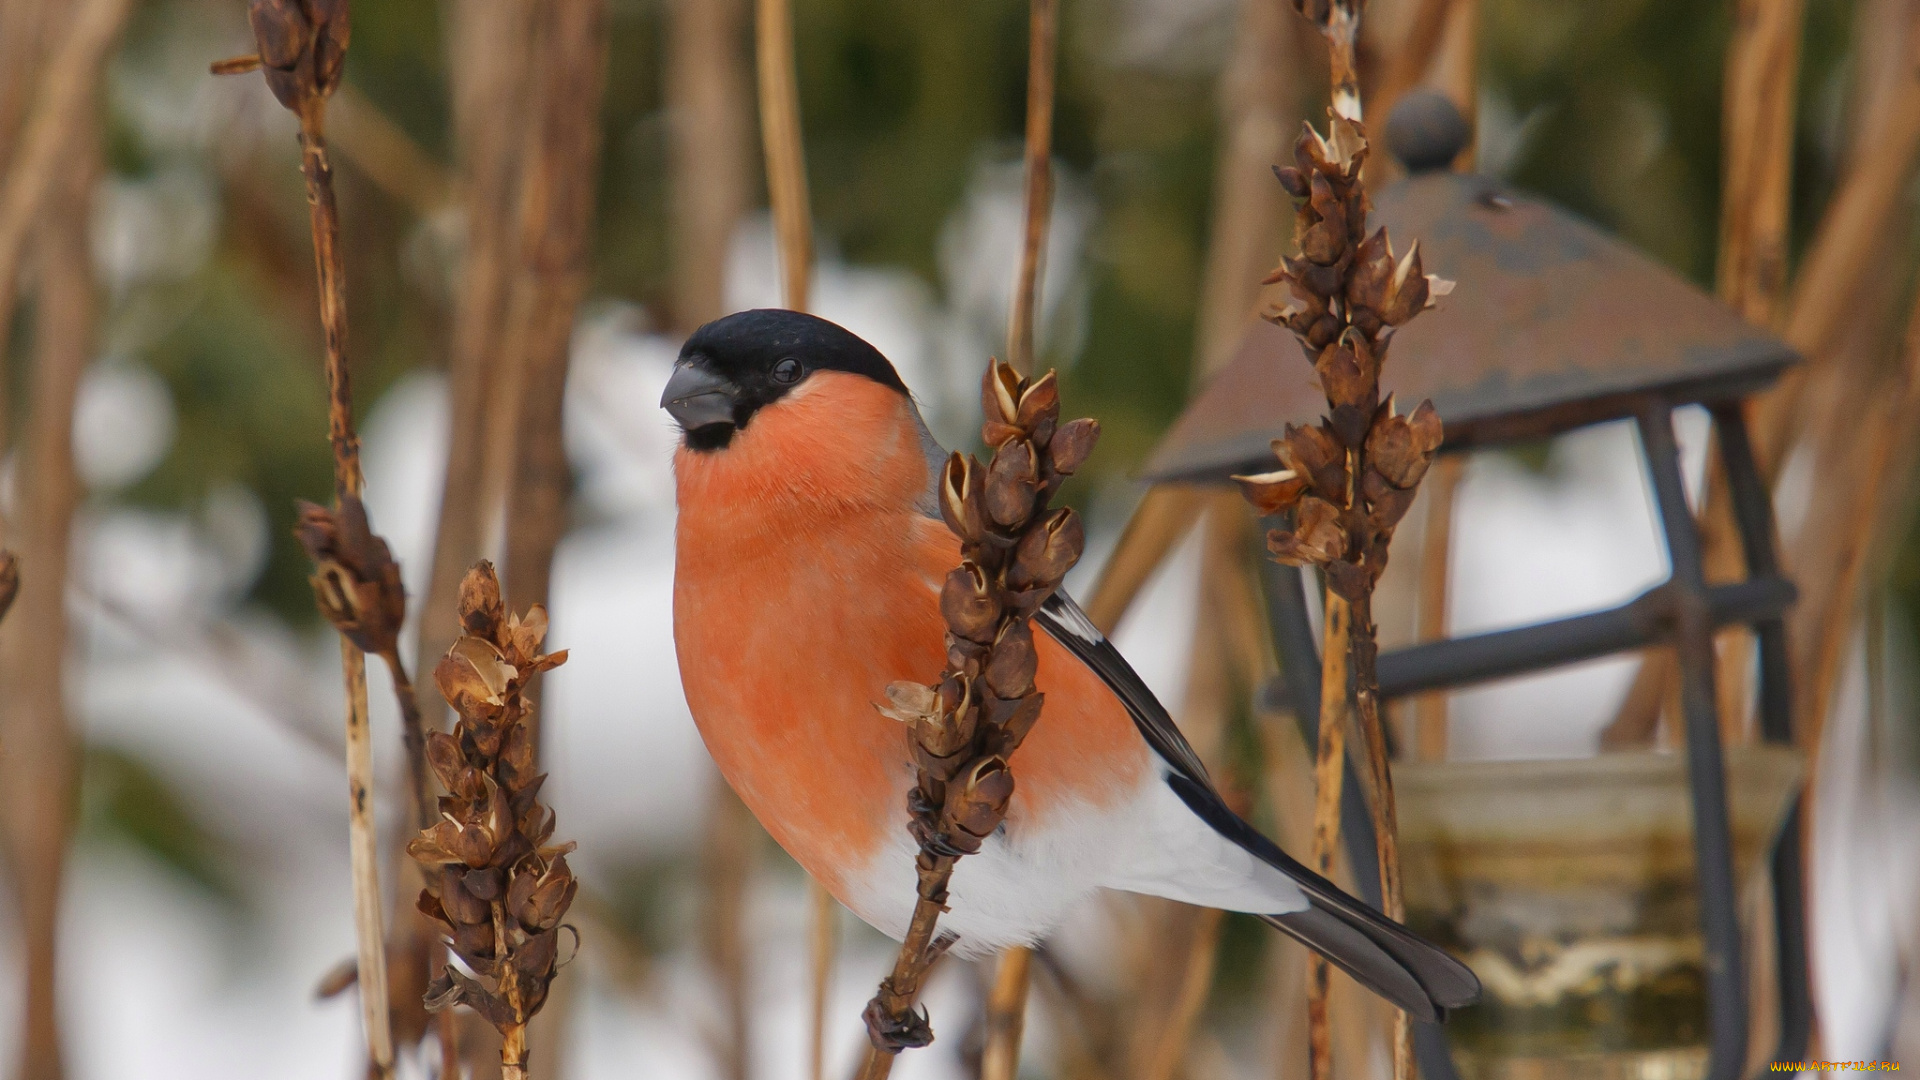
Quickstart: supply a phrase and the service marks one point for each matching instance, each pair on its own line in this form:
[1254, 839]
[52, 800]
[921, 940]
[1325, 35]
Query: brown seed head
[481, 609]
[1272, 492]
[1013, 662]
[968, 603]
[1313, 452]
[977, 802]
[1316, 539]
[356, 583]
[1072, 444]
[1048, 551]
[1013, 478]
[962, 503]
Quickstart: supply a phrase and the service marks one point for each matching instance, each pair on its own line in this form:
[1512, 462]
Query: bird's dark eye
[787, 371]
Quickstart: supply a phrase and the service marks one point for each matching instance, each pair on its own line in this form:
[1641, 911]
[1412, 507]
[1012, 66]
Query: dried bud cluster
[1014, 553]
[494, 878]
[1349, 479]
[356, 583]
[303, 46]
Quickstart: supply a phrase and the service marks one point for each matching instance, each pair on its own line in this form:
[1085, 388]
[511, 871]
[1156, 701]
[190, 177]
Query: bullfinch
[809, 556]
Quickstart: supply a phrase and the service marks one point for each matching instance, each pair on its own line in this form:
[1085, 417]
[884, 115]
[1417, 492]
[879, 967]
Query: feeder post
[1713, 835]
[1753, 512]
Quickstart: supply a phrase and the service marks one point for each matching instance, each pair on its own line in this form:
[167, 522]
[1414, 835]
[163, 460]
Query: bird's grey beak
[698, 398]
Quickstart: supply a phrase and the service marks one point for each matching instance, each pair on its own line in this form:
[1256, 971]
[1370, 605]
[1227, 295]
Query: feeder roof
[1552, 325]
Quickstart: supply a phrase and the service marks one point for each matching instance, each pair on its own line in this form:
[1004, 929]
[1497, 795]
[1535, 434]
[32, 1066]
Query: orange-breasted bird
[809, 557]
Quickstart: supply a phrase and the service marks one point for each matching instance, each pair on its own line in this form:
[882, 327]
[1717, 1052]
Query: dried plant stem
[1006, 1015]
[1436, 558]
[1015, 551]
[1165, 514]
[709, 107]
[1340, 24]
[556, 222]
[1763, 65]
[363, 834]
[727, 855]
[488, 58]
[369, 140]
[823, 944]
[1042, 46]
[37, 759]
[785, 153]
[1386, 832]
[1833, 561]
[1757, 172]
[1329, 777]
[710, 110]
[1004, 1029]
[64, 92]
[1196, 980]
[1415, 54]
[1350, 479]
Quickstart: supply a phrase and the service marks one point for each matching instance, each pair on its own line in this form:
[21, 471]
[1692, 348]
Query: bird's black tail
[1379, 953]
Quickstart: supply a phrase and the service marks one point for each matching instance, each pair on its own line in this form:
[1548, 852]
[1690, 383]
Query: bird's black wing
[1380, 953]
[1066, 623]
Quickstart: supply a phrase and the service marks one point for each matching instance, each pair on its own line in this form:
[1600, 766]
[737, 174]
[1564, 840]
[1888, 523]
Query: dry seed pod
[961, 503]
[1272, 492]
[356, 583]
[1316, 454]
[1316, 539]
[1012, 480]
[968, 603]
[1048, 551]
[1072, 444]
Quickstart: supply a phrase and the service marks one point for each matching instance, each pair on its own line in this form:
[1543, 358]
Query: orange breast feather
[806, 581]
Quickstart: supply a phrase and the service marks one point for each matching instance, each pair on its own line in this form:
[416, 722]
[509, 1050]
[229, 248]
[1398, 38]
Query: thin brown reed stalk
[781, 144]
[709, 110]
[302, 49]
[1196, 980]
[1015, 552]
[1363, 463]
[1841, 255]
[488, 58]
[556, 221]
[1288, 770]
[1006, 1015]
[1004, 1025]
[37, 758]
[1756, 171]
[727, 857]
[369, 140]
[1329, 778]
[62, 94]
[496, 879]
[785, 154]
[1869, 465]
[1042, 47]
[1165, 514]
[1407, 65]
[1436, 558]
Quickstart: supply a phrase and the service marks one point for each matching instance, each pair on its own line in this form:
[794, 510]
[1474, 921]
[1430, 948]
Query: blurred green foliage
[124, 800]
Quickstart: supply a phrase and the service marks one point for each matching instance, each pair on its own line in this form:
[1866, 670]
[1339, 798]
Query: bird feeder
[1554, 326]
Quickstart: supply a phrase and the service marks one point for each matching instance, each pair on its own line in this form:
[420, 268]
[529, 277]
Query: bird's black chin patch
[708, 437]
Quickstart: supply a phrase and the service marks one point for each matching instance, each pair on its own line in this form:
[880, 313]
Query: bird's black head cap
[733, 367]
